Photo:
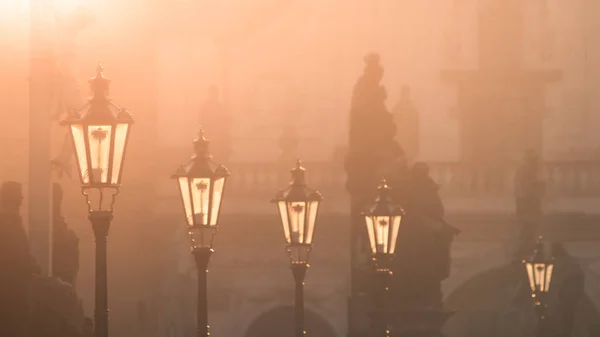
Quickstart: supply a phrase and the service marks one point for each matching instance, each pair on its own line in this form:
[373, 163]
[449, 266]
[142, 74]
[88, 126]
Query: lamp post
[539, 269]
[298, 207]
[382, 219]
[100, 131]
[201, 184]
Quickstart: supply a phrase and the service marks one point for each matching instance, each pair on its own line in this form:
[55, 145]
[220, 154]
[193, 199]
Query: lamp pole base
[202, 257]
[299, 272]
[101, 224]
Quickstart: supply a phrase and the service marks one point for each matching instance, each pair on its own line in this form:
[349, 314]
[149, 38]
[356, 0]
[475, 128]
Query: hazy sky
[299, 60]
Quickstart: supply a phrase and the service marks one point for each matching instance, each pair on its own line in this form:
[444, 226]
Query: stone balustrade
[564, 179]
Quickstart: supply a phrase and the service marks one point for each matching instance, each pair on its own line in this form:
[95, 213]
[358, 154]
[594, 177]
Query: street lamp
[298, 207]
[100, 132]
[539, 269]
[201, 184]
[383, 220]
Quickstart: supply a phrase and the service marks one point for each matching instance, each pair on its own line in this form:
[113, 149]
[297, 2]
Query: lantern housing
[100, 132]
[201, 185]
[539, 269]
[383, 220]
[298, 208]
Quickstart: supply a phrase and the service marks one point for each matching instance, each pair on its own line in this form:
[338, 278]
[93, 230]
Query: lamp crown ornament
[298, 174]
[99, 84]
[384, 190]
[201, 145]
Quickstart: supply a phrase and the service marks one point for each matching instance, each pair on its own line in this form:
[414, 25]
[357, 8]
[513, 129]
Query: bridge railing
[563, 179]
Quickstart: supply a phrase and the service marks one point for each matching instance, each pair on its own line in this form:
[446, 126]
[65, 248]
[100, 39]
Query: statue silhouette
[425, 237]
[16, 263]
[406, 118]
[216, 123]
[65, 243]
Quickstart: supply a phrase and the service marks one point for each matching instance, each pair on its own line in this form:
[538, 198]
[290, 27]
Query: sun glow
[18, 9]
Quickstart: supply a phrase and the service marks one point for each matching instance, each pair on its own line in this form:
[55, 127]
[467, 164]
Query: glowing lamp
[201, 185]
[383, 223]
[100, 131]
[539, 270]
[298, 208]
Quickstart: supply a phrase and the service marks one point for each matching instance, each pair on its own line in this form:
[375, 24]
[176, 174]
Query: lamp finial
[298, 173]
[99, 83]
[201, 145]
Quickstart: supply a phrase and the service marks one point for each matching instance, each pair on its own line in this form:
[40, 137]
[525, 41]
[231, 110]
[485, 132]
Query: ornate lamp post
[298, 207]
[100, 131]
[383, 224]
[539, 269]
[201, 184]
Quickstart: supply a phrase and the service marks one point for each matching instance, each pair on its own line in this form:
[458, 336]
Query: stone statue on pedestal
[30, 305]
[406, 118]
[17, 265]
[372, 152]
[422, 258]
[65, 243]
[216, 122]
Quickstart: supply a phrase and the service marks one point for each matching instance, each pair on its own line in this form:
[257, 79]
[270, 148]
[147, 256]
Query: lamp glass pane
[548, 277]
[297, 213]
[99, 137]
[371, 232]
[200, 198]
[539, 270]
[530, 276]
[282, 205]
[79, 143]
[395, 229]
[184, 189]
[382, 231]
[217, 195]
[121, 132]
[313, 208]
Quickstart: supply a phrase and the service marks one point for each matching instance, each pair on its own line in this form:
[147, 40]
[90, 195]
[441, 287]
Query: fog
[278, 63]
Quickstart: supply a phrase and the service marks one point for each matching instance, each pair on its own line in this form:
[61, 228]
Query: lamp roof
[383, 205]
[201, 164]
[297, 190]
[99, 109]
[539, 253]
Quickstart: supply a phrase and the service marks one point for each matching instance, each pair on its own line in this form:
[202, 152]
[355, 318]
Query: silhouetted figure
[217, 125]
[371, 154]
[529, 192]
[65, 243]
[55, 309]
[372, 129]
[16, 263]
[425, 237]
[571, 289]
[406, 118]
[424, 199]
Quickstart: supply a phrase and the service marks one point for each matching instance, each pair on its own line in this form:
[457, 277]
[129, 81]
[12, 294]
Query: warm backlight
[15, 9]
